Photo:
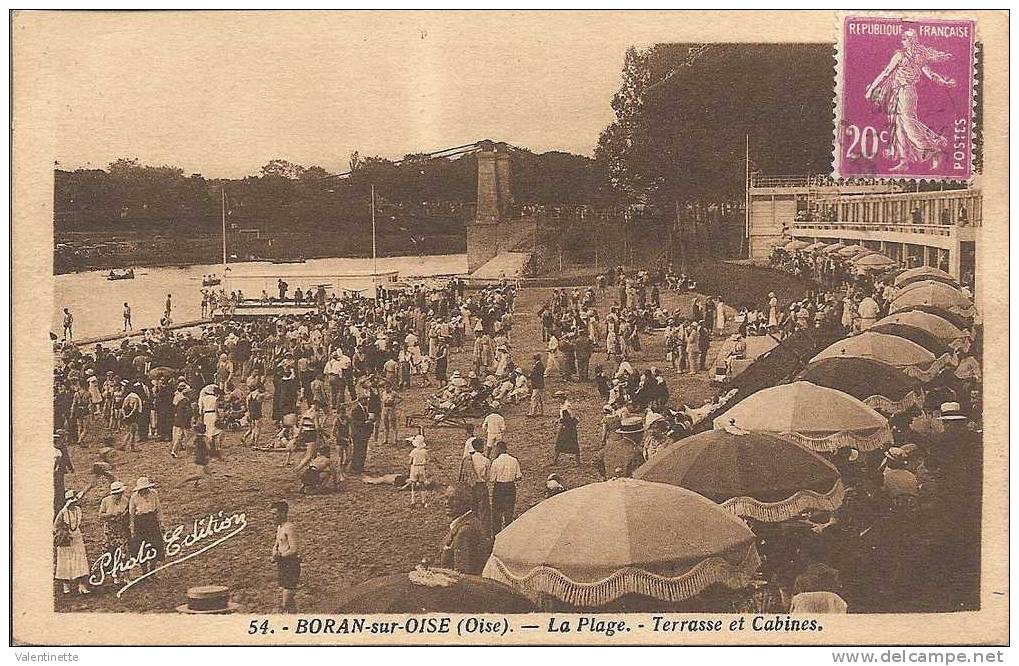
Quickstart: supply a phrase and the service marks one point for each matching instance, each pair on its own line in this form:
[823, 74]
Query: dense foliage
[411, 196]
[684, 112]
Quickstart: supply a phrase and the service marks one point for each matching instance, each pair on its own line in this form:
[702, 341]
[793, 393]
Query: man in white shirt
[208, 410]
[338, 371]
[553, 357]
[504, 474]
[494, 426]
[476, 477]
[869, 311]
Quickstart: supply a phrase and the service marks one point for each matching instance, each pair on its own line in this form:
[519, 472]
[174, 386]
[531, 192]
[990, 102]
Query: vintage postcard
[515, 328]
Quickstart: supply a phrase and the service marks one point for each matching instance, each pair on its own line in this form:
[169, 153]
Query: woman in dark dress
[441, 363]
[146, 523]
[567, 440]
[288, 391]
[116, 521]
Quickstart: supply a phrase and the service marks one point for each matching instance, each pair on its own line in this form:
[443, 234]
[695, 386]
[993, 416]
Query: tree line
[415, 197]
[682, 117]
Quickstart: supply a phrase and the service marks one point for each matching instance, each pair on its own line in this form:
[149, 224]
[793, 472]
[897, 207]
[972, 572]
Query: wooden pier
[127, 335]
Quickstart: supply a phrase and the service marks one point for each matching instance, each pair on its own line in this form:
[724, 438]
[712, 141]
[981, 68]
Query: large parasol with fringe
[600, 542]
[941, 328]
[753, 475]
[914, 334]
[892, 350]
[852, 251]
[882, 387]
[816, 417]
[430, 590]
[937, 295]
[922, 273]
[873, 261]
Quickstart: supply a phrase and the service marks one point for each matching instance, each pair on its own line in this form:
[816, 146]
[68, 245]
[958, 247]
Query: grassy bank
[744, 283]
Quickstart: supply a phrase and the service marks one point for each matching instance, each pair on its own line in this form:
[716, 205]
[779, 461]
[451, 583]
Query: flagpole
[375, 256]
[746, 195]
[223, 207]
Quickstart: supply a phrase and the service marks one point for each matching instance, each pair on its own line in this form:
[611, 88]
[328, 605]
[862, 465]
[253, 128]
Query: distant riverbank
[96, 302]
[76, 253]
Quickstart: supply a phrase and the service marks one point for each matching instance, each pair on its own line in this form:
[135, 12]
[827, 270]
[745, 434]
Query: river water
[97, 304]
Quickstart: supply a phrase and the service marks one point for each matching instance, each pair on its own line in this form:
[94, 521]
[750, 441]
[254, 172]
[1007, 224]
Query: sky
[222, 93]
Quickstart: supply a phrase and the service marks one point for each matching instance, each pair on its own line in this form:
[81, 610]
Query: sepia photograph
[509, 328]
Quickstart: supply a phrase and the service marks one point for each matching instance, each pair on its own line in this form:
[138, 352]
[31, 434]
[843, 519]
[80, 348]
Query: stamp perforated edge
[839, 24]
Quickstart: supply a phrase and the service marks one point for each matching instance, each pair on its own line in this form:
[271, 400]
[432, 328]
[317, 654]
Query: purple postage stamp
[904, 92]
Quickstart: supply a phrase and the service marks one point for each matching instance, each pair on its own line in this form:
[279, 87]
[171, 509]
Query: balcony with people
[943, 217]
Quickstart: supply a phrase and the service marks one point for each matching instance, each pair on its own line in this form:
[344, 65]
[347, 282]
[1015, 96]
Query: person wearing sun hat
[467, 545]
[553, 486]
[898, 482]
[418, 477]
[72, 560]
[567, 439]
[116, 523]
[146, 521]
[624, 450]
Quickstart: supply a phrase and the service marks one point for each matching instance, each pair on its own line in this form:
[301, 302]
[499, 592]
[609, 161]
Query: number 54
[255, 627]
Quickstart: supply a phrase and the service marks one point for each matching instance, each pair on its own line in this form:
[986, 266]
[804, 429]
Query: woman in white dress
[72, 560]
[208, 407]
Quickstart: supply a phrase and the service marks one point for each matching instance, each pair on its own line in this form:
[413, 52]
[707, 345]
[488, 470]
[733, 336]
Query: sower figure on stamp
[895, 91]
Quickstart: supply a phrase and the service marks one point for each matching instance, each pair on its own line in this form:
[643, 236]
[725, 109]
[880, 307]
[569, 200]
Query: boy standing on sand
[286, 556]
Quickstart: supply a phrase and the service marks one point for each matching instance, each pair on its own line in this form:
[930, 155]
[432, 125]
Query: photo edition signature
[176, 541]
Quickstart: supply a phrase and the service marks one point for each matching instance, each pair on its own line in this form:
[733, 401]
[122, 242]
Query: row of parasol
[863, 259]
[886, 365]
[677, 532]
[678, 528]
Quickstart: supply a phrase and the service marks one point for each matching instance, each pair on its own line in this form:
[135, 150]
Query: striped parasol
[753, 475]
[923, 273]
[892, 350]
[601, 542]
[817, 417]
[879, 386]
[939, 295]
